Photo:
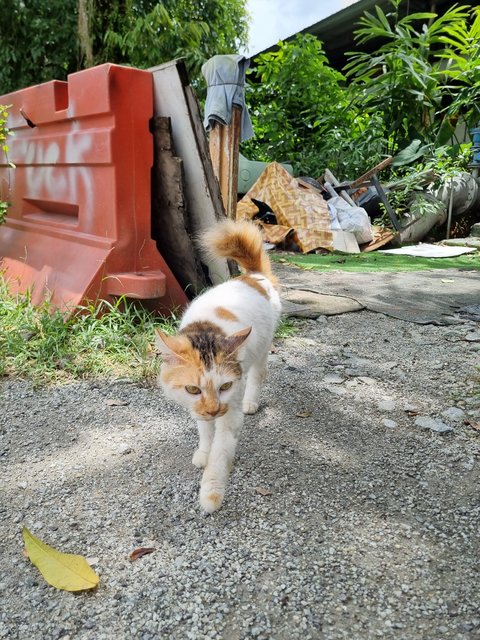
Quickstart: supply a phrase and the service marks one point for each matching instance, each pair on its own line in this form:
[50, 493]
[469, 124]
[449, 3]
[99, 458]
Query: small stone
[333, 379]
[386, 405]
[474, 336]
[22, 485]
[475, 230]
[454, 414]
[390, 424]
[124, 449]
[338, 391]
[425, 422]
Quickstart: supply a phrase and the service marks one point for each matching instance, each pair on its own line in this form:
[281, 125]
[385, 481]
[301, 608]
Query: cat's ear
[233, 342]
[170, 347]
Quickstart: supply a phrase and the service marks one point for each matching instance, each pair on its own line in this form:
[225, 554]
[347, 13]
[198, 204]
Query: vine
[4, 133]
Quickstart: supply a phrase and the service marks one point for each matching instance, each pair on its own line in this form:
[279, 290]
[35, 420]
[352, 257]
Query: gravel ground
[370, 530]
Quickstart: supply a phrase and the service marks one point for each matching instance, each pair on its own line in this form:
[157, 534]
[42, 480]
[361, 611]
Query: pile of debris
[303, 214]
[307, 215]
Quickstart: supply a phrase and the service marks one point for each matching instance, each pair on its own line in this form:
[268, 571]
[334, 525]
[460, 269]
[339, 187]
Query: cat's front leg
[220, 460]
[205, 437]
[255, 378]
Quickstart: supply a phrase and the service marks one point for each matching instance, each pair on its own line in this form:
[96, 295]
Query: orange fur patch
[209, 403]
[225, 314]
[178, 376]
[255, 284]
[215, 498]
[242, 241]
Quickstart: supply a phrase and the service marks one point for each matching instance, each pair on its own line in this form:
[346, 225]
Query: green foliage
[433, 172]
[422, 79]
[302, 113]
[286, 329]
[38, 42]
[150, 32]
[46, 40]
[462, 53]
[404, 80]
[44, 345]
[4, 133]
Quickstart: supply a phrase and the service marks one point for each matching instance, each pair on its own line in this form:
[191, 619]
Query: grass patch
[286, 328]
[45, 346]
[375, 261]
[103, 340]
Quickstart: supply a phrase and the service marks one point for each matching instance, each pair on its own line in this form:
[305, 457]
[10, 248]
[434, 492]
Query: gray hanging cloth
[225, 76]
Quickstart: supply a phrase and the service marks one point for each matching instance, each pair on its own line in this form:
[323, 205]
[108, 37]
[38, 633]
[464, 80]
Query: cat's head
[200, 369]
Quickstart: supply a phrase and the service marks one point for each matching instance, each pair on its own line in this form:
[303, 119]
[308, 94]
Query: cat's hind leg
[255, 378]
[205, 437]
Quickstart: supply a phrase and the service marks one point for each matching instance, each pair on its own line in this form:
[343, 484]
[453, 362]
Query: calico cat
[215, 365]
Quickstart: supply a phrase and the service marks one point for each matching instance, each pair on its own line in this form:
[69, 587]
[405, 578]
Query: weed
[98, 340]
[286, 328]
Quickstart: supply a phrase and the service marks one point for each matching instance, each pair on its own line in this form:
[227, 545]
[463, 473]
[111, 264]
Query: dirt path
[371, 528]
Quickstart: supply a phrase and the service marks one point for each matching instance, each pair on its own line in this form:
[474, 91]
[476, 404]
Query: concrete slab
[424, 297]
[471, 241]
[302, 303]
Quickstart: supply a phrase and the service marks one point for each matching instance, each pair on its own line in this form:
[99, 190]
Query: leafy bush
[302, 113]
[433, 172]
[38, 42]
[38, 46]
[422, 79]
[406, 80]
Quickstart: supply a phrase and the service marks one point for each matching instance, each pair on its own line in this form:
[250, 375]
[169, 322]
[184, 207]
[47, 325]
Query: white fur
[218, 438]
[249, 306]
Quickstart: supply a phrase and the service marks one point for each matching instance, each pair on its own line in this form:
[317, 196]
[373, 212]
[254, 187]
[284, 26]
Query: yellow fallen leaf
[62, 570]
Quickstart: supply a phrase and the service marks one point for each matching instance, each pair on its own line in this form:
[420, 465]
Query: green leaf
[414, 151]
[62, 570]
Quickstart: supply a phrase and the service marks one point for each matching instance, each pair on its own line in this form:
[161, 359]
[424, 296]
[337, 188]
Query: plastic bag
[353, 219]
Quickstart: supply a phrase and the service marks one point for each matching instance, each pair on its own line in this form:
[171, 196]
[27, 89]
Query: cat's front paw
[250, 407]
[200, 458]
[211, 497]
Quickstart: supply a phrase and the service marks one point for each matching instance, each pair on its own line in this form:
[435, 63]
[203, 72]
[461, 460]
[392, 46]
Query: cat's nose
[213, 412]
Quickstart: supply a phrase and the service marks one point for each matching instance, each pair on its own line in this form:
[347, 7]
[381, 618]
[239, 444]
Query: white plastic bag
[334, 222]
[353, 219]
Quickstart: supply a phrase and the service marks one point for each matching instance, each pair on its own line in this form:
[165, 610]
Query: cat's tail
[242, 241]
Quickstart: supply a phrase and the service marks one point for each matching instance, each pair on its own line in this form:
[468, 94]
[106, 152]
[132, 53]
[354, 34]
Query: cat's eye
[226, 386]
[194, 391]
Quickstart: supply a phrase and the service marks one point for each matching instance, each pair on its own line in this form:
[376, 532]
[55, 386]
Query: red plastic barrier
[80, 223]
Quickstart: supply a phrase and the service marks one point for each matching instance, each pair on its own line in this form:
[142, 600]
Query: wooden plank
[329, 177]
[170, 224]
[381, 237]
[224, 146]
[174, 98]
